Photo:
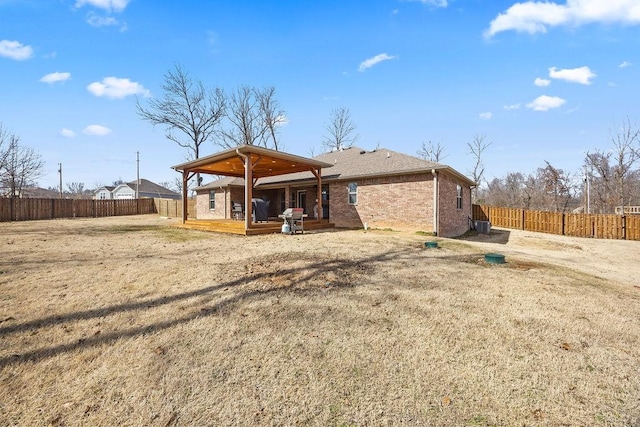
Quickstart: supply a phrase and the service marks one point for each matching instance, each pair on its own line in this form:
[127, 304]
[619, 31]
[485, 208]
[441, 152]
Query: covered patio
[250, 163]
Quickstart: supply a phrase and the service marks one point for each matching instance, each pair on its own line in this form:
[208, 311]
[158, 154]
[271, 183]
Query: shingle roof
[352, 163]
[223, 182]
[355, 162]
[149, 187]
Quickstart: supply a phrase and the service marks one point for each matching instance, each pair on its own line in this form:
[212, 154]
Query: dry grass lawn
[126, 321]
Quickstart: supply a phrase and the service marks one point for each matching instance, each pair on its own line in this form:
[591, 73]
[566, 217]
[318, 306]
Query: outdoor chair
[237, 211]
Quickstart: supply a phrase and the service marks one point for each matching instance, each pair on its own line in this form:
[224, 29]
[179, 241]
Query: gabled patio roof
[268, 163]
[250, 162]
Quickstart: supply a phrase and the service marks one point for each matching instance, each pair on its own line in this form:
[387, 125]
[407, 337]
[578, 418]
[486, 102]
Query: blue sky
[540, 80]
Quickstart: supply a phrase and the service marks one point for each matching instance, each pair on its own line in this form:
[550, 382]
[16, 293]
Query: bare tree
[22, 167]
[186, 107]
[601, 182]
[5, 141]
[432, 152]
[477, 148]
[253, 117]
[341, 130]
[625, 156]
[76, 190]
[273, 116]
[558, 187]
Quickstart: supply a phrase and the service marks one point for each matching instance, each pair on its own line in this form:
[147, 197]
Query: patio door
[302, 200]
[325, 202]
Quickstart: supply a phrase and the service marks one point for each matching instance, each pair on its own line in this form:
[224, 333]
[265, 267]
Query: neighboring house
[145, 188]
[379, 188]
[104, 193]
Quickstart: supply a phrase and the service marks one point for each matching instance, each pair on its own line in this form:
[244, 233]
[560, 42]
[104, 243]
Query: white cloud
[536, 16]
[114, 87]
[96, 130]
[582, 75]
[485, 116]
[55, 77]
[101, 21]
[368, 63]
[436, 3]
[541, 82]
[512, 107]
[544, 103]
[108, 5]
[67, 133]
[15, 50]
[625, 64]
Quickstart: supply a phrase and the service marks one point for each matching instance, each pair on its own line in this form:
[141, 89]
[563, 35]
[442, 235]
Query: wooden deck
[231, 226]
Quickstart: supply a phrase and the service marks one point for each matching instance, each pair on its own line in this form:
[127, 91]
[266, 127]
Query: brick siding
[400, 202]
[452, 221]
[223, 199]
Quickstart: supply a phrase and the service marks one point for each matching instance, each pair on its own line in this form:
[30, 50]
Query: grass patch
[340, 328]
[176, 235]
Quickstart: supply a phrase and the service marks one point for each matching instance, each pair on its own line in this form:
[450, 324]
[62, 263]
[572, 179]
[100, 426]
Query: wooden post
[318, 175]
[248, 192]
[185, 192]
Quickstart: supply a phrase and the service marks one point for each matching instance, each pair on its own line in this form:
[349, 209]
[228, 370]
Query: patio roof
[250, 162]
[265, 162]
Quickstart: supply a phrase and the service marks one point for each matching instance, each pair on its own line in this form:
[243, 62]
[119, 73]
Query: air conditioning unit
[483, 227]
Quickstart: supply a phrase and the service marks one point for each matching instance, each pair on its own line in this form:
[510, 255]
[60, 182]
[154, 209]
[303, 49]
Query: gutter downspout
[436, 187]
[247, 193]
[225, 201]
[473, 189]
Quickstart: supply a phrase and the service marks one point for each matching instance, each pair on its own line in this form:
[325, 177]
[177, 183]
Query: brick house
[380, 189]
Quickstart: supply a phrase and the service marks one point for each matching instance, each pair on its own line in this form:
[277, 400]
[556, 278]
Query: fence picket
[578, 225]
[35, 209]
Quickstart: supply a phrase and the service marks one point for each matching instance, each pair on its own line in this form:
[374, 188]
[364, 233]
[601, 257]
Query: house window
[212, 200]
[353, 193]
[459, 197]
[102, 196]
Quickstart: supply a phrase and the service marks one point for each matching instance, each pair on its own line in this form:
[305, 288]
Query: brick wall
[398, 202]
[402, 202]
[224, 197]
[452, 221]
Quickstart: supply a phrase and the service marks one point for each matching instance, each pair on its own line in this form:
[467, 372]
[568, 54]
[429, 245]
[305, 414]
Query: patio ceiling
[265, 163]
[261, 162]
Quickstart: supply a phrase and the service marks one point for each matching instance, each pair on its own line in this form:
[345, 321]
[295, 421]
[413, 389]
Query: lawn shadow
[307, 273]
[499, 236]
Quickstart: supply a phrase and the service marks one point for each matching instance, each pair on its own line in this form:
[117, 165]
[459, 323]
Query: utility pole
[60, 173]
[587, 191]
[137, 173]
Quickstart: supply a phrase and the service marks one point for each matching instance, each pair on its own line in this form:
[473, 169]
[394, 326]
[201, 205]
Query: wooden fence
[33, 209]
[623, 227]
[173, 208]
